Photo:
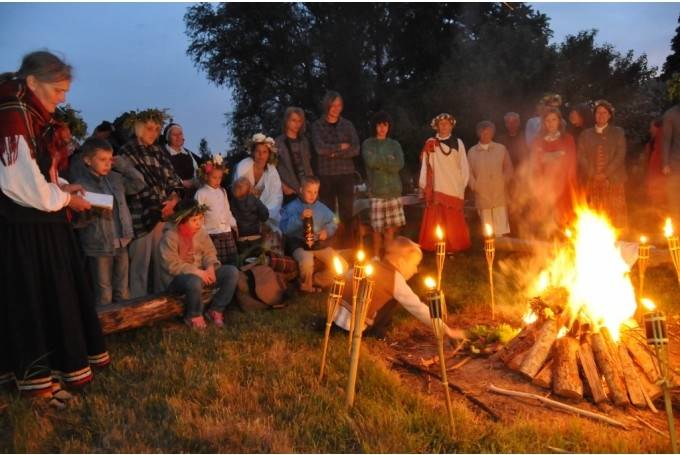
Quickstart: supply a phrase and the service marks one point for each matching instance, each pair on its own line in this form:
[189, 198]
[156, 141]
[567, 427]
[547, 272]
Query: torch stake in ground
[440, 250]
[435, 303]
[334, 298]
[364, 298]
[643, 262]
[657, 336]
[358, 275]
[490, 253]
[673, 246]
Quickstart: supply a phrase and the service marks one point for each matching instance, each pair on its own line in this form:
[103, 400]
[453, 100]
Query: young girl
[219, 221]
[444, 175]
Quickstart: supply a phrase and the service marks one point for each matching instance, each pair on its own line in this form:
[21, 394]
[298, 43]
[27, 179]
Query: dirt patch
[415, 345]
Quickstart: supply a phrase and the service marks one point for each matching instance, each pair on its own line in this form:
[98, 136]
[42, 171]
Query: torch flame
[430, 283]
[369, 270]
[361, 256]
[643, 239]
[668, 228]
[648, 304]
[439, 233]
[488, 230]
[337, 264]
[563, 331]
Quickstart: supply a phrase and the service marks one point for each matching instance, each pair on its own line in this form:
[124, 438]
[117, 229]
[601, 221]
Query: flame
[369, 270]
[648, 304]
[563, 331]
[430, 283]
[529, 317]
[567, 233]
[361, 256]
[337, 264]
[488, 230]
[439, 233]
[593, 272]
[668, 228]
[643, 239]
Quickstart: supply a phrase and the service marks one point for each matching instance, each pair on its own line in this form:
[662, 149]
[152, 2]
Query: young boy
[105, 234]
[292, 226]
[189, 263]
[400, 263]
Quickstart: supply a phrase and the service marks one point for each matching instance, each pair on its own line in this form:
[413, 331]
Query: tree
[204, 149]
[672, 64]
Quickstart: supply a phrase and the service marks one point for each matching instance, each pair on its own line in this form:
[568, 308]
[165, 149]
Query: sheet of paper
[100, 200]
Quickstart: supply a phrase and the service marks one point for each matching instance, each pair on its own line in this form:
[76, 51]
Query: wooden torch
[358, 274]
[642, 262]
[490, 253]
[440, 253]
[435, 303]
[364, 297]
[334, 299]
[673, 245]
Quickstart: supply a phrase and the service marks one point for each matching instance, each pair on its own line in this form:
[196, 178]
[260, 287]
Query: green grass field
[253, 388]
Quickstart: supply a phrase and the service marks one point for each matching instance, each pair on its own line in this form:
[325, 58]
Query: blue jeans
[110, 276]
[192, 287]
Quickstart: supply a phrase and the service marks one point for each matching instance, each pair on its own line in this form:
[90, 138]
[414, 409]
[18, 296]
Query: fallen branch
[408, 365]
[459, 364]
[557, 404]
[557, 450]
[650, 426]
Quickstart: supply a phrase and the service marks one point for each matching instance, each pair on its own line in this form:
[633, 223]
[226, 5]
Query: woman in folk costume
[444, 174]
[602, 158]
[553, 171]
[49, 329]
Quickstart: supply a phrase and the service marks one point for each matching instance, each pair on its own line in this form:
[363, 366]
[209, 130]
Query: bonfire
[580, 338]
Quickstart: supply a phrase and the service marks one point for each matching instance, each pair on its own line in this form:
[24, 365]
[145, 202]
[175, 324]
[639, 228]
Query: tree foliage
[474, 60]
[672, 64]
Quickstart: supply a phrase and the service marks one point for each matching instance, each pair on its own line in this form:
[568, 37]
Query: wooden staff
[440, 253]
[357, 276]
[490, 253]
[434, 301]
[364, 297]
[334, 298]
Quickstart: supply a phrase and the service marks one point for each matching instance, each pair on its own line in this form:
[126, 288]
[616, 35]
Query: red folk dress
[554, 176]
[444, 174]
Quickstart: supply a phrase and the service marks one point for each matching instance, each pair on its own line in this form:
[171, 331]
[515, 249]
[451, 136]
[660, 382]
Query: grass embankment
[253, 388]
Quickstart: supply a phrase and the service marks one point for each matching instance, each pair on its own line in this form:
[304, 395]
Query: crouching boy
[189, 264]
[400, 263]
[306, 250]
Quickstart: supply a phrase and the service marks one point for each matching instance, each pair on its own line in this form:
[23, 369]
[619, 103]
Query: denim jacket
[96, 228]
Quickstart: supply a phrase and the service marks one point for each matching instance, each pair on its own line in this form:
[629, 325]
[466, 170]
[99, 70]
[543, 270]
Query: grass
[253, 388]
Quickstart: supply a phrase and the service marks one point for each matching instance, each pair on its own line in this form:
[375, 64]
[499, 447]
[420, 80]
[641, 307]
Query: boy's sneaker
[196, 323]
[216, 317]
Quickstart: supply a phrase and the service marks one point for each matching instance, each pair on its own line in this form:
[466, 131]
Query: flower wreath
[155, 115]
[72, 118]
[187, 209]
[443, 116]
[215, 162]
[259, 138]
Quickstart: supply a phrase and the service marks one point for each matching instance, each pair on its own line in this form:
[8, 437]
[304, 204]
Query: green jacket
[384, 159]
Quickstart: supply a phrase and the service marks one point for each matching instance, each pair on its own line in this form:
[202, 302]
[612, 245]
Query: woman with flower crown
[444, 174]
[260, 170]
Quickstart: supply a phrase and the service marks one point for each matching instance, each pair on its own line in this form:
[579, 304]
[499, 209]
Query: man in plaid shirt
[151, 205]
[336, 143]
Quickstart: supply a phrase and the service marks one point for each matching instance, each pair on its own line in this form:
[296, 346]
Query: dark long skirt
[49, 329]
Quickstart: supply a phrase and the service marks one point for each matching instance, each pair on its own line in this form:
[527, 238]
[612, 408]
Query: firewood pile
[567, 354]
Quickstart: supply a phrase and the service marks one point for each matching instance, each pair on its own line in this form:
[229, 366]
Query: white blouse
[24, 184]
[269, 184]
[219, 218]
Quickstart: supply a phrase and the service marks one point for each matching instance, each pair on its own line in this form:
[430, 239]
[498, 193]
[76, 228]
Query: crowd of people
[176, 222]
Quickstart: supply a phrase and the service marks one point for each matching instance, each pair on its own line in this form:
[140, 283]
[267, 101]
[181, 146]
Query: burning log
[592, 375]
[608, 365]
[545, 377]
[641, 354]
[566, 380]
[538, 353]
[651, 389]
[521, 343]
[630, 376]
